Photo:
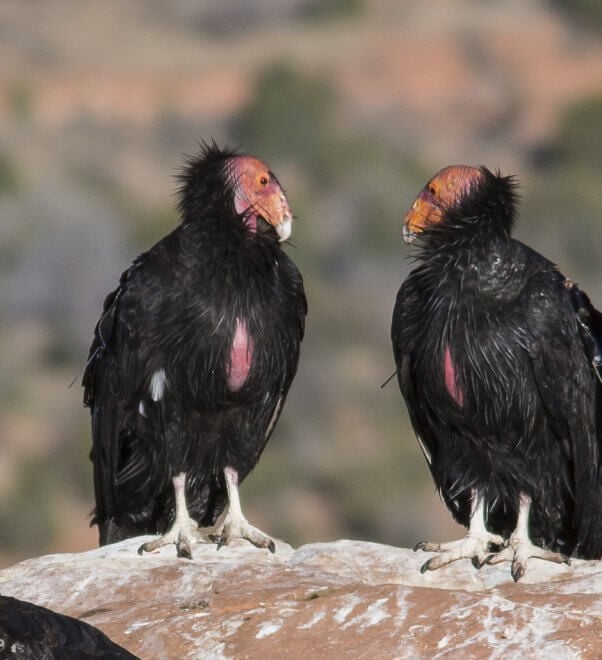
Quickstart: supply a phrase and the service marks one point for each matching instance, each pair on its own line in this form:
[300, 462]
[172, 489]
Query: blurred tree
[586, 12]
[579, 139]
[20, 97]
[352, 178]
[34, 527]
[9, 180]
[292, 116]
[565, 200]
[318, 10]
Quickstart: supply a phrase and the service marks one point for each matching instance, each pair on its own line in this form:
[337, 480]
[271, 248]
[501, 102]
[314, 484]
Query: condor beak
[422, 215]
[408, 235]
[284, 227]
[278, 213]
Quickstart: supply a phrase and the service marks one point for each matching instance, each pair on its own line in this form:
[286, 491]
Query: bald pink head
[257, 193]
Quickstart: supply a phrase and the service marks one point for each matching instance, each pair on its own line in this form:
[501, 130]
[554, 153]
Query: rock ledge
[327, 600]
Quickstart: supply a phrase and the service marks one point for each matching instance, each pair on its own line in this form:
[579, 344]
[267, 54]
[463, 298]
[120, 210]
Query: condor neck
[448, 241]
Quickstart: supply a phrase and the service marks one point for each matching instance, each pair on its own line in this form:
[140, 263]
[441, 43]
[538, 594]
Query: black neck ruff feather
[204, 183]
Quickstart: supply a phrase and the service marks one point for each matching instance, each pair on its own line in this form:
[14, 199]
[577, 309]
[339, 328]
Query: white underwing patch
[157, 385]
[274, 417]
[425, 451]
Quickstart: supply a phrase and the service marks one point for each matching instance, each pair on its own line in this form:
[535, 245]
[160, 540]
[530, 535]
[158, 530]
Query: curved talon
[151, 546]
[183, 550]
[421, 545]
[479, 561]
[271, 546]
[519, 551]
[425, 567]
[517, 572]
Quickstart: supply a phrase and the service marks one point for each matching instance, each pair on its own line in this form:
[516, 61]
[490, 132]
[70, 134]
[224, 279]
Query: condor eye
[263, 180]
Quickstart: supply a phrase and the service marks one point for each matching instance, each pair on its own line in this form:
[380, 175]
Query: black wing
[406, 327]
[28, 631]
[128, 348]
[116, 363]
[590, 326]
[565, 356]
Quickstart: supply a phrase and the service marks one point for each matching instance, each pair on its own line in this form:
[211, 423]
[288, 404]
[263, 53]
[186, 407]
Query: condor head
[259, 195]
[443, 192]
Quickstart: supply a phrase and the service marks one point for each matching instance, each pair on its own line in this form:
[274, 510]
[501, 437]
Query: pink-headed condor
[192, 360]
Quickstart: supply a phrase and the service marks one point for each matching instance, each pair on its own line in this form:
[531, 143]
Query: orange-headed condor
[192, 360]
[499, 359]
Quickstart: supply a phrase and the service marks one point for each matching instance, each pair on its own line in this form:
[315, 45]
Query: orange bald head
[441, 193]
[257, 193]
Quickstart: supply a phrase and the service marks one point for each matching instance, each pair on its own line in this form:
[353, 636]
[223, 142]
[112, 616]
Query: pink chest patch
[450, 379]
[241, 357]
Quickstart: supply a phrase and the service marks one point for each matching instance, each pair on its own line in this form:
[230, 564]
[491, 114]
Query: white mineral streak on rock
[372, 616]
[316, 618]
[137, 626]
[269, 628]
[351, 603]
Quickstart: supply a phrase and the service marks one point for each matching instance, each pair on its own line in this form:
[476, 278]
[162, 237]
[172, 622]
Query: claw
[478, 561]
[518, 570]
[520, 548]
[235, 525]
[474, 546]
[183, 549]
[519, 551]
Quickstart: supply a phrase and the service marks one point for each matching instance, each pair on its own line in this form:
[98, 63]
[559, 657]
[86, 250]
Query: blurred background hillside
[354, 103]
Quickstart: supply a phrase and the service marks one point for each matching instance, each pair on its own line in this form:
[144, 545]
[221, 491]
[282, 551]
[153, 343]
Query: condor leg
[184, 532]
[520, 548]
[475, 545]
[235, 525]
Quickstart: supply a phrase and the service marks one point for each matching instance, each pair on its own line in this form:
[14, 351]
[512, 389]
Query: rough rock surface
[327, 600]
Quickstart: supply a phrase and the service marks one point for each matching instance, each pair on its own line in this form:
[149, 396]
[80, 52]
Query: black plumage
[194, 354]
[32, 632]
[499, 361]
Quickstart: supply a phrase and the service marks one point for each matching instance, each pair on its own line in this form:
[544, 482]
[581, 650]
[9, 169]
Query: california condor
[32, 632]
[192, 359]
[499, 361]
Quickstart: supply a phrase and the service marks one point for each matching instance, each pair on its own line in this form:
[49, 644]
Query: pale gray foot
[475, 547]
[235, 525]
[519, 550]
[184, 532]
